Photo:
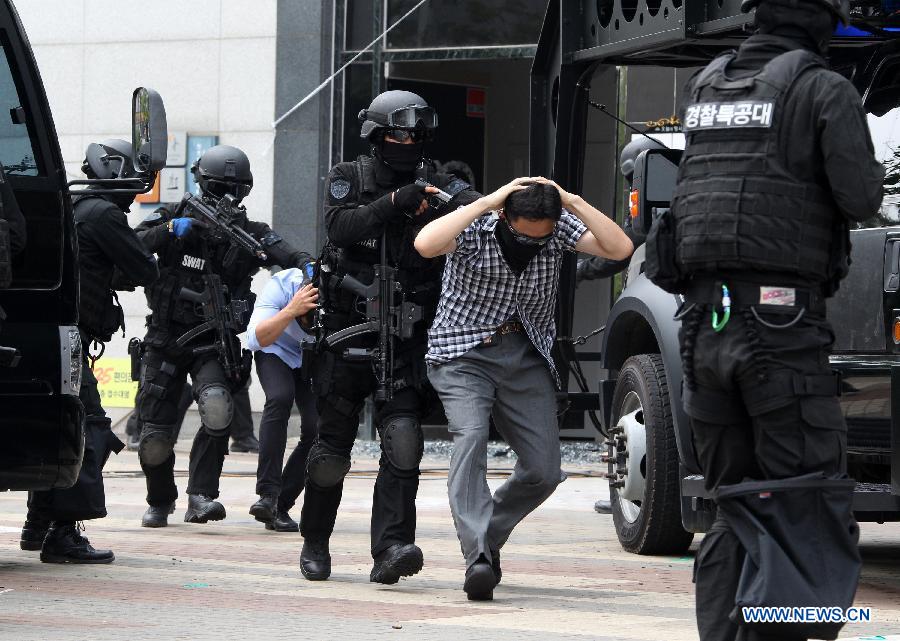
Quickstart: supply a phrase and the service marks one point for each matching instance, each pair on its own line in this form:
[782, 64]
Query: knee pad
[216, 409]
[402, 442]
[326, 469]
[156, 444]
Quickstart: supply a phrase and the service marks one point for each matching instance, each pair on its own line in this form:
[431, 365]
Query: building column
[303, 59]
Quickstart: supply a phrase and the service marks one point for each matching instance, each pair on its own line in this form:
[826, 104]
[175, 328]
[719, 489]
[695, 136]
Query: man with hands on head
[276, 334]
[489, 350]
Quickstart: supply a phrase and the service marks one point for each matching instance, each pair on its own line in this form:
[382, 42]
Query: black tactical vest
[182, 265]
[736, 205]
[420, 277]
[99, 313]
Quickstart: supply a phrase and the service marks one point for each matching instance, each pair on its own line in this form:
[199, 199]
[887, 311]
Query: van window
[886, 138]
[16, 148]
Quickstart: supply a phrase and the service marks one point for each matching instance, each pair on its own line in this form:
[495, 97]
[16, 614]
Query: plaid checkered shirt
[479, 292]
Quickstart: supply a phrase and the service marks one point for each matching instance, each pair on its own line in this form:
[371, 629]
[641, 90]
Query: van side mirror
[149, 131]
[653, 184]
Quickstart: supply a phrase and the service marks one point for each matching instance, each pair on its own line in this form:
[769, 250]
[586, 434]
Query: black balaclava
[804, 21]
[517, 254]
[122, 201]
[403, 159]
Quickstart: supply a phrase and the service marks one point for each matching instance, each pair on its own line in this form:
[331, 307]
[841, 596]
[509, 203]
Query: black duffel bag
[801, 543]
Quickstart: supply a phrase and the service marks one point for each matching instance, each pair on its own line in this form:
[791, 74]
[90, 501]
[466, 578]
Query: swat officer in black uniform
[242, 437]
[110, 256]
[188, 250]
[778, 163]
[375, 194]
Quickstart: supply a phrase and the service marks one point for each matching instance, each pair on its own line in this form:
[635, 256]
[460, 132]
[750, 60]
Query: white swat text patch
[193, 262]
[727, 115]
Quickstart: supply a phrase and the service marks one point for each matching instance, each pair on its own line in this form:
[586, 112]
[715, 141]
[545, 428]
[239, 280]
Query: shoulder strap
[365, 174]
[712, 71]
[782, 71]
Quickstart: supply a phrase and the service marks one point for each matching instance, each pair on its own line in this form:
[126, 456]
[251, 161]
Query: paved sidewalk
[565, 576]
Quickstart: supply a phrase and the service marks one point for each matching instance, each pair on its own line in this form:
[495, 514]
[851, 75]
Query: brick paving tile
[565, 575]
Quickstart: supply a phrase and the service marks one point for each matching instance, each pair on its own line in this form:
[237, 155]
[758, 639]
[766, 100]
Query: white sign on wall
[177, 152]
[171, 185]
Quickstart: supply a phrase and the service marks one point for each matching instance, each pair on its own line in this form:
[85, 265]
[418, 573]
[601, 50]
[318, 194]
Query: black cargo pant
[763, 405]
[343, 387]
[163, 377]
[86, 499]
[284, 387]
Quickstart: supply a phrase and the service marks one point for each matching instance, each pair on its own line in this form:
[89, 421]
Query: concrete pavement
[565, 576]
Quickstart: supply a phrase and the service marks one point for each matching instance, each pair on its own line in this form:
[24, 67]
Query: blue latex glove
[181, 227]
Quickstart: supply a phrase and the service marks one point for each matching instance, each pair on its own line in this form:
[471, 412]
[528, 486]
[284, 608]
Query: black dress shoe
[480, 581]
[315, 561]
[157, 515]
[396, 561]
[265, 508]
[202, 509]
[33, 533]
[283, 523]
[64, 544]
[495, 565]
[603, 506]
[247, 443]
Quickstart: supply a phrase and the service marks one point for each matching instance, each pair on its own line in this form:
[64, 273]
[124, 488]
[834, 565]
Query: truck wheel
[644, 484]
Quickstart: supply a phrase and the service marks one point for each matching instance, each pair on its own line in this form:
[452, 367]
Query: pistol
[437, 200]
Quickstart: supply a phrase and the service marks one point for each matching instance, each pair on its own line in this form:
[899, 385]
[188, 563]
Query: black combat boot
[265, 508]
[64, 544]
[283, 522]
[33, 533]
[480, 581]
[396, 561]
[157, 515]
[315, 561]
[202, 509]
[247, 443]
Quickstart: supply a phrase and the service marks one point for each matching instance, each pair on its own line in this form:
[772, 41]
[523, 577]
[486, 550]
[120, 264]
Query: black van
[41, 418]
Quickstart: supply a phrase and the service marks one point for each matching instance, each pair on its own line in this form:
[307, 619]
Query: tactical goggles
[219, 188]
[402, 135]
[410, 117]
[525, 239]
[413, 117]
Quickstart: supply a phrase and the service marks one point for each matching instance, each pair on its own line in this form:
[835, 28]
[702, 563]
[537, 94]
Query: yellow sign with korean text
[114, 382]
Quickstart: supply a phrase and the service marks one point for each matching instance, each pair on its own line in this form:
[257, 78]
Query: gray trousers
[510, 380]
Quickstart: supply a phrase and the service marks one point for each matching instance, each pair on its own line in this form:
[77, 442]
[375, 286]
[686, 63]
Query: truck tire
[650, 524]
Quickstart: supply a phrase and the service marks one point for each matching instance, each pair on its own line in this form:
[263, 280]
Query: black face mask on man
[516, 252]
[399, 157]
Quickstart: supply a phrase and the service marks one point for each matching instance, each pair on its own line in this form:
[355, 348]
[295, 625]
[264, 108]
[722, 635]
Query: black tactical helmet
[223, 170]
[111, 158]
[631, 151]
[839, 8]
[397, 110]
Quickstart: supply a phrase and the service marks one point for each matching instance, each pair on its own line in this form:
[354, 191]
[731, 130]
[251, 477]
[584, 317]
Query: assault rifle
[223, 316]
[221, 217]
[386, 316]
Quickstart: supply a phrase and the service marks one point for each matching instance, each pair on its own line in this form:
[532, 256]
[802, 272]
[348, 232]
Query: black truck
[41, 417]
[656, 489]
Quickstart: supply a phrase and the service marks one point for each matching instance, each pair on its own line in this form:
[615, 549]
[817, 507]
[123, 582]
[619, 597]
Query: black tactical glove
[408, 199]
